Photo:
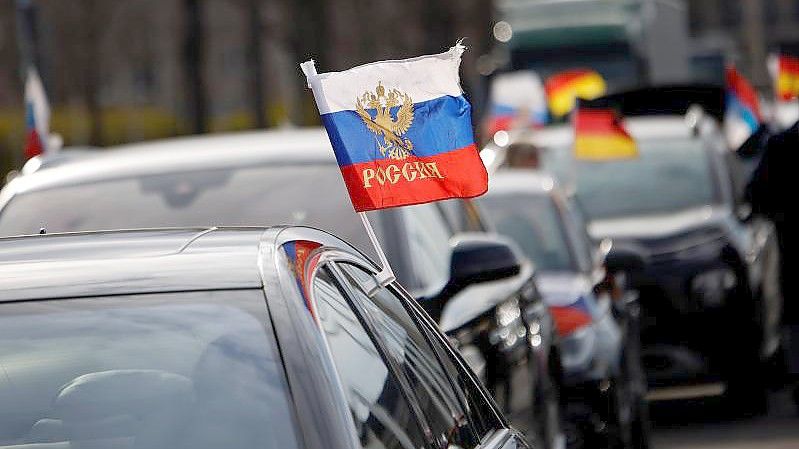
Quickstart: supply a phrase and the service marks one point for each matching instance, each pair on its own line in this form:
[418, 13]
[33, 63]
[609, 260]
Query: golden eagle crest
[383, 124]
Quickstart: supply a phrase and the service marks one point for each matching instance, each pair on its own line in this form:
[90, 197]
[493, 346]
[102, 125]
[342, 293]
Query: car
[595, 316]
[291, 176]
[708, 292]
[224, 337]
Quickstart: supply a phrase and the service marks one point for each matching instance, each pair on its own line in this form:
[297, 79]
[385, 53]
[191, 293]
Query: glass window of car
[429, 368]
[669, 175]
[253, 195]
[428, 241]
[381, 414]
[413, 354]
[195, 369]
[535, 224]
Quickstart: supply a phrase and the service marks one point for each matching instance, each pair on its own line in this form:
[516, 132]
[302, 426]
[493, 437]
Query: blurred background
[124, 71]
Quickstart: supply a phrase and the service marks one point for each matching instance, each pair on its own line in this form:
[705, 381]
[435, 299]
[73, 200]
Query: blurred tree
[256, 61]
[193, 56]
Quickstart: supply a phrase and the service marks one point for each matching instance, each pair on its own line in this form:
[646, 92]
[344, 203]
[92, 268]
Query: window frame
[429, 330]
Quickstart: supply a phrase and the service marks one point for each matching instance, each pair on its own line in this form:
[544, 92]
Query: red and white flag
[37, 116]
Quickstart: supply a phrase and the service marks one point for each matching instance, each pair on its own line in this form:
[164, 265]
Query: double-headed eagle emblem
[383, 124]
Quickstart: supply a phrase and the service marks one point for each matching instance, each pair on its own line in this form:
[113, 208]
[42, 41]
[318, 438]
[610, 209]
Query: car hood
[476, 300]
[646, 227]
[562, 289]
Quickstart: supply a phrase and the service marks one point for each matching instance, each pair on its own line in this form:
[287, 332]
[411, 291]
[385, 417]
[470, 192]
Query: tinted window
[670, 174]
[411, 350]
[428, 240]
[312, 195]
[382, 417]
[185, 370]
[534, 223]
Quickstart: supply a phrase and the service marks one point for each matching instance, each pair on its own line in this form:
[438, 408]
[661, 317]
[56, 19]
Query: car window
[412, 352]
[178, 370]
[380, 411]
[450, 398]
[428, 241]
[669, 175]
[577, 228]
[535, 224]
[463, 215]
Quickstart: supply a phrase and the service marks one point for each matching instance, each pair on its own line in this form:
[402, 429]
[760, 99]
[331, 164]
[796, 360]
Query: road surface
[698, 426]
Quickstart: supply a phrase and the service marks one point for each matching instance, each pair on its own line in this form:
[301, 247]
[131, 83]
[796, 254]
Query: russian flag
[518, 100]
[742, 101]
[571, 318]
[37, 115]
[401, 130]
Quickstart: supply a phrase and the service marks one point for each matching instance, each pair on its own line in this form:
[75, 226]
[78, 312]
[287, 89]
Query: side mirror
[624, 258]
[482, 258]
[476, 258]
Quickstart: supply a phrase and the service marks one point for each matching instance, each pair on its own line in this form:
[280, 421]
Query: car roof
[104, 263]
[303, 145]
[517, 180]
[651, 127]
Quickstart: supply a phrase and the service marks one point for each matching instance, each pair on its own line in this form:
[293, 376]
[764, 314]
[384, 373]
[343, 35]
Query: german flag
[786, 77]
[599, 135]
[564, 88]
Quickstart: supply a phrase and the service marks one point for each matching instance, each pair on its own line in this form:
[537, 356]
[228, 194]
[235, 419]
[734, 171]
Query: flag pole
[386, 274]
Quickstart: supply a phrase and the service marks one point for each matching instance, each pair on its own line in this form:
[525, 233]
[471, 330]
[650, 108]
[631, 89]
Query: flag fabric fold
[600, 135]
[37, 116]
[564, 88]
[401, 130]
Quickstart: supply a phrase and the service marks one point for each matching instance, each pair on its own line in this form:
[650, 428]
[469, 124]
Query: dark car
[709, 298]
[595, 316]
[234, 338]
[291, 177]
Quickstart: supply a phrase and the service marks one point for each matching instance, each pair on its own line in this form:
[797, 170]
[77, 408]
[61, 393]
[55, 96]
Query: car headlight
[510, 328]
[711, 287]
[508, 312]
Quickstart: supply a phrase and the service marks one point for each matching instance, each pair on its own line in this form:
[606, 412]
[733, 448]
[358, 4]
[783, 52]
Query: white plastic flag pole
[386, 274]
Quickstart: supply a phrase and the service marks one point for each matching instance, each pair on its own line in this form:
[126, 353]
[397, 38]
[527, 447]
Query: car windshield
[309, 194]
[670, 174]
[534, 223]
[183, 370]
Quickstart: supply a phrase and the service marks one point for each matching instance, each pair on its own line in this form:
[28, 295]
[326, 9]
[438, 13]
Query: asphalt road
[698, 425]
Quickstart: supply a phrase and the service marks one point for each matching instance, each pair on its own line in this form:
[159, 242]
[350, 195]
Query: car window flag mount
[401, 132]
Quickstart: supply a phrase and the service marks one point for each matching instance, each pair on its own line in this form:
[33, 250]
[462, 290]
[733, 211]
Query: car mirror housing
[624, 258]
[475, 258]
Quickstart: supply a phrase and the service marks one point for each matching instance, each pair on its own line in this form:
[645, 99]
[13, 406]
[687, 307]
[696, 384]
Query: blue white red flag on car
[401, 130]
[518, 100]
[37, 116]
[742, 101]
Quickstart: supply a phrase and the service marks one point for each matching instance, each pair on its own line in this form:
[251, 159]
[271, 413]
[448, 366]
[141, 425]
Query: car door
[454, 409]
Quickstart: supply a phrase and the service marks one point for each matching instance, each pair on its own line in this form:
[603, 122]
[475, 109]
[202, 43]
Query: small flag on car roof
[742, 102]
[37, 116]
[564, 88]
[401, 130]
[599, 135]
[785, 70]
[518, 100]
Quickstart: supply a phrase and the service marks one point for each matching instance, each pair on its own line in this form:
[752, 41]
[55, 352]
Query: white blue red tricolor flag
[742, 102]
[518, 100]
[37, 116]
[401, 130]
